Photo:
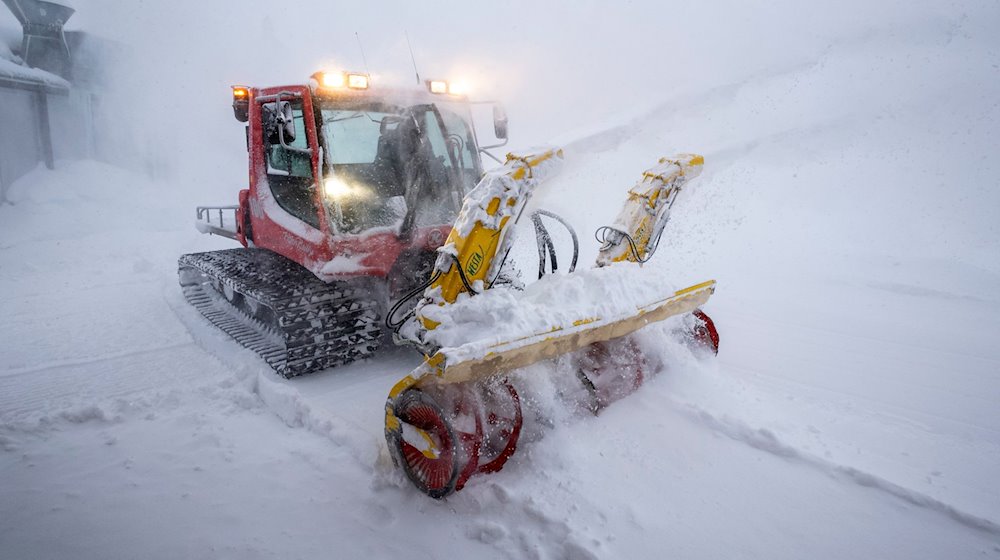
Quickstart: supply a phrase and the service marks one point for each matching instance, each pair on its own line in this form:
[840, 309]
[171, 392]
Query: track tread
[302, 324]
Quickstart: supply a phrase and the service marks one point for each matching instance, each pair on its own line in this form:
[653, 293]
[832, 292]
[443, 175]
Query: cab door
[286, 212]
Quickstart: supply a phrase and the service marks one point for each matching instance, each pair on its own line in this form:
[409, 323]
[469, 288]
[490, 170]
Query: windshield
[384, 163]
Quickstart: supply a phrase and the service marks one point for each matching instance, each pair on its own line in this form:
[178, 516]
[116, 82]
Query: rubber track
[296, 322]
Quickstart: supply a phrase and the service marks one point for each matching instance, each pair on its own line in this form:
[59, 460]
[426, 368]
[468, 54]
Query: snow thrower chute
[457, 414]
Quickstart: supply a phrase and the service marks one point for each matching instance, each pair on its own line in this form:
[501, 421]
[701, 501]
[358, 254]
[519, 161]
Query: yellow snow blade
[514, 354]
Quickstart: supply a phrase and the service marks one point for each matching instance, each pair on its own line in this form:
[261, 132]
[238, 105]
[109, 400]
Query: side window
[435, 135]
[459, 142]
[290, 175]
[281, 161]
[459, 134]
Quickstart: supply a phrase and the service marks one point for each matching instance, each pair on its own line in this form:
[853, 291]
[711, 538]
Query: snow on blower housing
[368, 209]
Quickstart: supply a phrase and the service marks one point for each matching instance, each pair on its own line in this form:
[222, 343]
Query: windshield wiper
[354, 116]
[338, 119]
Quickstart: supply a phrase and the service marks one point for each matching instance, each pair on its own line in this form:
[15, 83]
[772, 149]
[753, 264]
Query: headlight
[336, 189]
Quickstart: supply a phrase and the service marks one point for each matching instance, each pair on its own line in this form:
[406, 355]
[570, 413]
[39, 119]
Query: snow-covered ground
[849, 210]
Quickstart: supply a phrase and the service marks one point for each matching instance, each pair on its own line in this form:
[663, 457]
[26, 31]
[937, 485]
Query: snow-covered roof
[14, 72]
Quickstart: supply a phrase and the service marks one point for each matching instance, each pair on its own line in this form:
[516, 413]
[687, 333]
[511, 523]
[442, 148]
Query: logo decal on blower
[475, 261]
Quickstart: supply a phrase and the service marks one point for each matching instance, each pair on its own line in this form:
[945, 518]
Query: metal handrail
[205, 223]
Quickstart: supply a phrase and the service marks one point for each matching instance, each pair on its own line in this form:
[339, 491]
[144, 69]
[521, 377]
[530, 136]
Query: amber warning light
[241, 103]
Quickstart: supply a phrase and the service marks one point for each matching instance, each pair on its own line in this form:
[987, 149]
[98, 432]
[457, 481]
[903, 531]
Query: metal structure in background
[44, 44]
[35, 105]
[27, 136]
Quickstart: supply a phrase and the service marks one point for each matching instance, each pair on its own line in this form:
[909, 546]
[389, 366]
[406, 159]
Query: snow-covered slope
[848, 209]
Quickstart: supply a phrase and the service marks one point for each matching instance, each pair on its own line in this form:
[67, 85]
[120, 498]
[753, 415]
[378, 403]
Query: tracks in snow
[59, 364]
[766, 441]
[58, 387]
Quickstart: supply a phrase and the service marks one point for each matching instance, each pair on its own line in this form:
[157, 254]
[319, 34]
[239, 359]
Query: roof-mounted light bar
[445, 87]
[342, 80]
[357, 81]
[437, 86]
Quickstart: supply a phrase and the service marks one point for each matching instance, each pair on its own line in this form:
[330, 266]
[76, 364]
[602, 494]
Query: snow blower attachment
[457, 414]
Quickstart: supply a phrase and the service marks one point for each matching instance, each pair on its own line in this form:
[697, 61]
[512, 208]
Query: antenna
[363, 58]
[412, 59]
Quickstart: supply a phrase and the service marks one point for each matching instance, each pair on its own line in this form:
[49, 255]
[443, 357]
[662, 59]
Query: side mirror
[500, 121]
[279, 127]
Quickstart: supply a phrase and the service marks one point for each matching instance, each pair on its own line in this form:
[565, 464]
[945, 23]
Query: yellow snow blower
[457, 414]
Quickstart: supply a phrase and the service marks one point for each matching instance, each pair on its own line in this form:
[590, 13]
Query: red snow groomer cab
[352, 188]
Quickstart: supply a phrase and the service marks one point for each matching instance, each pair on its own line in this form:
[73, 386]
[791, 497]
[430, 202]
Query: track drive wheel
[611, 370]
